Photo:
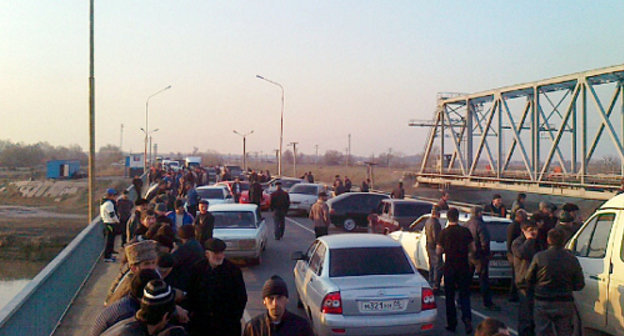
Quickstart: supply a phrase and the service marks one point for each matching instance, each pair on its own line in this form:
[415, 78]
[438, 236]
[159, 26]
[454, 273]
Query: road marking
[483, 316]
[300, 225]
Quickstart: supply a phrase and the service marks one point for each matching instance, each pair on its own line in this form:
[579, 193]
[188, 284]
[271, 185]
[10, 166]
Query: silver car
[242, 228]
[362, 284]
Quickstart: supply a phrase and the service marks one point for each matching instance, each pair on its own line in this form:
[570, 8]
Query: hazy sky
[359, 67]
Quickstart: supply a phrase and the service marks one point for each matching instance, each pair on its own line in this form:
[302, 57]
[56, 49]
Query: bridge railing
[38, 308]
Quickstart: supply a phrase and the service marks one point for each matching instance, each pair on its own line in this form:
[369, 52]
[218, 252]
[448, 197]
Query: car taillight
[428, 299]
[332, 304]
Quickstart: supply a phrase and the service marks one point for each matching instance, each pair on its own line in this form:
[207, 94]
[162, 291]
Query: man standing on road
[398, 192]
[518, 204]
[255, 192]
[280, 202]
[124, 210]
[276, 321]
[496, 207]
[456, 243]
[203, 223]
[192, 199]
[365, 185]
[217, 294]
[179, 216]
[523, 248]
[432, 231]
[108, 214]
[319, 213]
[237, 189]
[481, 258]
[140, 205]
[443, 202]
[514, 230]
[552, 276]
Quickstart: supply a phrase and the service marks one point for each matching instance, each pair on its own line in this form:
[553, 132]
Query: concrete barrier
[40, 306]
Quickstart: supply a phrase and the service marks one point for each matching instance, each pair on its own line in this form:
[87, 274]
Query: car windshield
[289, 183]
[497, 230]
[213, 193]
[233, 219]
[304, 189]
[368, 261]
[409, 209]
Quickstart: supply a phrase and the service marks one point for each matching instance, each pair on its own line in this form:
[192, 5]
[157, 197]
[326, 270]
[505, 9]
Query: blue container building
[62, 169]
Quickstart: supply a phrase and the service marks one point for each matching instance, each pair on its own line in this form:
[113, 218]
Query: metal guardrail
[38, 308]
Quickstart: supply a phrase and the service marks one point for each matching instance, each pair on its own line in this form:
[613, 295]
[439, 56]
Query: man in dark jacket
[237, 189]
[567, 225]
[255, 193]
[203, 223]
[185, 256]
[514, 230]
[134, 221]
[398, 192]
[276, 321]
[217, 294]
[280, 202]
[481, 259]
[545, 219]
[432, 231]
[456, 243]
[124, 211]
[127, 306]
[552, 276]
[496, 207]
[157, 308]
[523, 248]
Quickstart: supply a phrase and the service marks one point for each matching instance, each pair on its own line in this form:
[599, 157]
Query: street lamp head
[258, 76]
[251, 132]
[142, 129]
[168, 87]
[156, 130]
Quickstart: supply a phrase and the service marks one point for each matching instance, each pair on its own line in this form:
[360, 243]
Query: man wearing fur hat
[276, 320]
[217, 294]
[140, 255]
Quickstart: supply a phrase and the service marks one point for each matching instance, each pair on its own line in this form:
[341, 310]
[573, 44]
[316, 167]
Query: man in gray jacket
[432, 231]
[552, 276]
[481, 259]
[523, 248]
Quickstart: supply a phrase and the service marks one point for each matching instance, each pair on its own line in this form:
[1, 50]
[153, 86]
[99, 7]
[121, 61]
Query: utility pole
[316, 157]
[388, 157]
[91, 170]
[294, 144]
[121, 139]
[349, 152]
[277, 157]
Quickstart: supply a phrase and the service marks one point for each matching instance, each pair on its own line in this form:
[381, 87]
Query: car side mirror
[298, 255]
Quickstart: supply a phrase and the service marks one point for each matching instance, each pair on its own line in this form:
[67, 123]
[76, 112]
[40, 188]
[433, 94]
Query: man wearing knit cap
[276, 321]
[217, 294]
[157, 307]
[127, 306]
[140, 255]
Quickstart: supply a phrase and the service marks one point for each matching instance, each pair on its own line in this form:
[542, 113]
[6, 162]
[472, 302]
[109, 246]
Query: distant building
[62, 169]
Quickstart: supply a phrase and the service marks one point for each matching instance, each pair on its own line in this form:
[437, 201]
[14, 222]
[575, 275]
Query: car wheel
[349, 225]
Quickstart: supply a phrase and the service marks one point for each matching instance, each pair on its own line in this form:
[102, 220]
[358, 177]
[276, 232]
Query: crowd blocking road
[299, 234]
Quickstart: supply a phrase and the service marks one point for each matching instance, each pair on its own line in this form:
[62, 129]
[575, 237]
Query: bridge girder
[531, 122]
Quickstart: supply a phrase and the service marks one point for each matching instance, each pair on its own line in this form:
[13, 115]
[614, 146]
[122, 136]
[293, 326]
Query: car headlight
[247, 244]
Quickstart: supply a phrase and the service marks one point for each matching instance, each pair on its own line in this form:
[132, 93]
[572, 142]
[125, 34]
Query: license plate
[294, 202]
[383, 306]
[499, 263]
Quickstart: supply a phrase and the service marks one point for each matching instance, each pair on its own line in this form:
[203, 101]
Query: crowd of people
[544, 273]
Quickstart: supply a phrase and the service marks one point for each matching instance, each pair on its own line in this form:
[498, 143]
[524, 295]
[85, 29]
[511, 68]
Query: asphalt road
[299, 234]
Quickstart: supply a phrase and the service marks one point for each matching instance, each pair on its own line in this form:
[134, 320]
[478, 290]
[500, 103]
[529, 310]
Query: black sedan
[350, 210]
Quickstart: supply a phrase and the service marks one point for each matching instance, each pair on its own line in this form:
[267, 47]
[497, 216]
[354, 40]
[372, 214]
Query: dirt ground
[34, 229]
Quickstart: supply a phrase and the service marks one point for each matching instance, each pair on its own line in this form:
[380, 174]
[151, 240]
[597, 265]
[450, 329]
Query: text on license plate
[499, 263]
[383, 306]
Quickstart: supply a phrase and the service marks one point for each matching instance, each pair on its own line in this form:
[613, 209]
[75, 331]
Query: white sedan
[414, 242]
[362, 284]
[242, 228]
[216, 194]
[303, 195]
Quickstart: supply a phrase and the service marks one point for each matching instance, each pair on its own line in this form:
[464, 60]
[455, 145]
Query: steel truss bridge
[558, 136]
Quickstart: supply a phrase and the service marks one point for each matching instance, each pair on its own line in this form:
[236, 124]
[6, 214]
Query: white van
[599, 247]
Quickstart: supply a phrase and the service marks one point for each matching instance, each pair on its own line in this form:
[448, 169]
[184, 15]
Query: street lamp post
[244, 136]
[146, 125]
[149, 136]
[279, 158]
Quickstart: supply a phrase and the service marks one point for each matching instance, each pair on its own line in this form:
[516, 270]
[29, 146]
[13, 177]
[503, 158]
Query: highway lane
[299, 234]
